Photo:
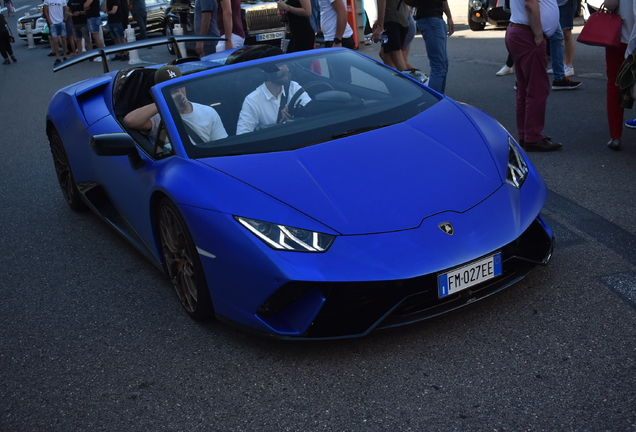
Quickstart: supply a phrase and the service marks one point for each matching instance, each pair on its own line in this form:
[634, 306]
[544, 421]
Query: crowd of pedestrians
[533, 26]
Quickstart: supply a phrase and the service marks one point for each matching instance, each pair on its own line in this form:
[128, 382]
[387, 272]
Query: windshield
[290, 103]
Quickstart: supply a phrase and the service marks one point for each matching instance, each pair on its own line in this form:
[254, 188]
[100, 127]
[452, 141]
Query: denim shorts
[94, 24]
[58, 30]
[116, 30]
[80, 31]
[566, 15]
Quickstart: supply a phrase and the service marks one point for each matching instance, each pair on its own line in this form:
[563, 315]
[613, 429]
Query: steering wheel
[291, 106]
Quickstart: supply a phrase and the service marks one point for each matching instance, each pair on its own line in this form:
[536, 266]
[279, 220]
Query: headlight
[287, 238]
[476, 4]
[517, 168]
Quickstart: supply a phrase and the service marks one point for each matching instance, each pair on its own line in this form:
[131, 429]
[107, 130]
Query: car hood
[385, 180]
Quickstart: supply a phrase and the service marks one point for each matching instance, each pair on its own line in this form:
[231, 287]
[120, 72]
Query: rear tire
[64, 173]
[182, 262]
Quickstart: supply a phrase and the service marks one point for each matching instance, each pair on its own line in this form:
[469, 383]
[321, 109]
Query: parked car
[157, 22]
[378, 203]
[38, 23]
[262, 23]
[482, 12]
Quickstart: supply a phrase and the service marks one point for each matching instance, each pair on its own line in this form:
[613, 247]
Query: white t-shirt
[548, 9]
[328, 18]
[56, 10]
[260, 108]
[204, 120]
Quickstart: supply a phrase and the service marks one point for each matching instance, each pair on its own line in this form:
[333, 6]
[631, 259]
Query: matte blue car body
[376, 240]
[351, 258]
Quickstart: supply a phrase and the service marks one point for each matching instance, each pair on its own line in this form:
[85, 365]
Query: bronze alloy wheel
[182, 262]
[64, 173]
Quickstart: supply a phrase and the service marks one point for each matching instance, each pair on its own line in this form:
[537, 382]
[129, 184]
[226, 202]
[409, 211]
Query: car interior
[331, 89]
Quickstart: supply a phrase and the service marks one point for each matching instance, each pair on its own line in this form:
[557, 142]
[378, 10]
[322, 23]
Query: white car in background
[590, 6]
[37, 21]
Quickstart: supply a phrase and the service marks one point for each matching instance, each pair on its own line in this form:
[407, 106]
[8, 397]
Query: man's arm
[534, 17]
[248, 118]
[45, 12]
[112, 11]
[206, 19]
[341, 19]
[449, 19]
[87, 5]
[140, 118]
[378, 26]
[228, 24]
[611, 5]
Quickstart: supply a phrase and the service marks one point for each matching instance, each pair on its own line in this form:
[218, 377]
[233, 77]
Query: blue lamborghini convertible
[375, 203]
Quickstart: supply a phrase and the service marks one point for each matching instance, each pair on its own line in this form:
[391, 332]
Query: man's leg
[63, 38]
[516, 46]
[98, 40]
[94, 25]
[556, 53]
[54, 47]
[533, 85]
[141, 16]
[55, 42]
[434, 33]
[568, 42]
[397, 58]
[613, 60]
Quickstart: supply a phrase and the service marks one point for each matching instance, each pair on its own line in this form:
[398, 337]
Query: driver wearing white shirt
[262, 107]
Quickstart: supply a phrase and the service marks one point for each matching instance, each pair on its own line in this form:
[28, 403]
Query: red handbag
[603, 28]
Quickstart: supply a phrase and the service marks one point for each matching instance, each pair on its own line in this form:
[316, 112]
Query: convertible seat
[132, 90]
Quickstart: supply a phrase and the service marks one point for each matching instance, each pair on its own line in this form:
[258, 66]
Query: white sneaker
[505, 70]
[550, 71]
[418, 75]
[569, 71]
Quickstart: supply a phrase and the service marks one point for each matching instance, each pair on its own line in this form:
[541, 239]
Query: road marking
[623, 284]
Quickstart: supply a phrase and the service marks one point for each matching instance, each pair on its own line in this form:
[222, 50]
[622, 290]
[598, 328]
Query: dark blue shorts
[116, 30]
[566, 15]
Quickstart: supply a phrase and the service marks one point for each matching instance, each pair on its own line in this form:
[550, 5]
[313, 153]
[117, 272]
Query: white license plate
[270, 36]
[469, 275]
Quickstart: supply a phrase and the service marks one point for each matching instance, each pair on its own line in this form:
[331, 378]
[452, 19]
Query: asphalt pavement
[92, 338]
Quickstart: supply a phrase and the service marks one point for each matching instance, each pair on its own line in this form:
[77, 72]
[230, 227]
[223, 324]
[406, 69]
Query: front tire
[64, 173]
[182, 262]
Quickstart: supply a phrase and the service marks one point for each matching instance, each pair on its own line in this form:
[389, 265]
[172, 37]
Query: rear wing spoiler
[144, 43]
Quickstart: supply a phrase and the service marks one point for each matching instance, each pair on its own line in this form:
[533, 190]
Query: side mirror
[117, 144]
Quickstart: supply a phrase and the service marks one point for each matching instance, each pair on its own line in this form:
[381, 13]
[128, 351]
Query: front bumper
[369, 281]
[353, 309]
[488, 13]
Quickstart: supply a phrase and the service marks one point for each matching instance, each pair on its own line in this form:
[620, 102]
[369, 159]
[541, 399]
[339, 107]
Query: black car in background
[482, 12]
[262, 23]
[156, 22]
